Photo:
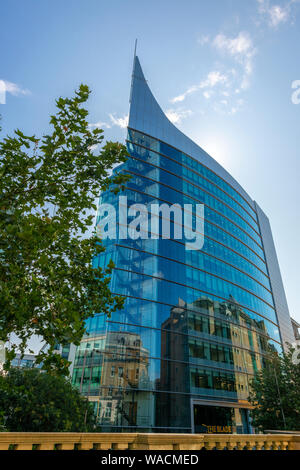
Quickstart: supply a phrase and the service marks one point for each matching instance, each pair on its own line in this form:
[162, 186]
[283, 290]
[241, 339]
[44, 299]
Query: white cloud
[233, 110]
[241, 49]
[177, 115]
[99, 125]
[207, 94]
[204, 39]
[94, 147]
[276, 14]
[227, 107]
[182, 97]
[237, 106]
[121, 121]
[224, 83]
[238, 46]
[212, 79]
[115, 121]
[15, 89]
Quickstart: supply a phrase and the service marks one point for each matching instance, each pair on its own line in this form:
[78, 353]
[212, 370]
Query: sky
[222, 70]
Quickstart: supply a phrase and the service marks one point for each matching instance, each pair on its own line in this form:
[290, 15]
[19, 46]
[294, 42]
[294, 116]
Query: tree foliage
[48, 186]
[275, 394]
[33, 401]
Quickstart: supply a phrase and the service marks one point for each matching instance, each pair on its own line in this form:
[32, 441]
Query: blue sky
[222, 70]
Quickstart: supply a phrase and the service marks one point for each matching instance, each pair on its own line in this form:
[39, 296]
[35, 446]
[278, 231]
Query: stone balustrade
[141, 441]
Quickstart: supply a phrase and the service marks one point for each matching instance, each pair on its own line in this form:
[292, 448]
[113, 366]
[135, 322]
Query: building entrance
[220, 419]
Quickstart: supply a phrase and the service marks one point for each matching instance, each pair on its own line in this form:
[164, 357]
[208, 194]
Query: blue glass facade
[196, 324]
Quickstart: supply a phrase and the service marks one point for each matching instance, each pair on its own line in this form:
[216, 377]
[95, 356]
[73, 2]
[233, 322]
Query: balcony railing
[141, 441]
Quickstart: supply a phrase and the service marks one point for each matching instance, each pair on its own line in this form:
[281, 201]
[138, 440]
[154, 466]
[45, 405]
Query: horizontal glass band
[197, 326]
[133, 340]
[165, 149]
[152, 160]
[128, 282]
[148, 372]
[225, 320]
[201, 354]
[149, 263]
[185, 196]
[202, 262]
[211, 247]
[138, 150]
[175, 250]
[212, 230]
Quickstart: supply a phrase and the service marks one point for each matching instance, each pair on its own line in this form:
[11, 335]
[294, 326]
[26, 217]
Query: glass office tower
[196, 324]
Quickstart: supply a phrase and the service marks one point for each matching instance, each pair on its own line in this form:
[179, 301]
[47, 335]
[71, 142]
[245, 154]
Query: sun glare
[217, 148]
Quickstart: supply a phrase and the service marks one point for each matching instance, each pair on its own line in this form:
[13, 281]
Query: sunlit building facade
[196, 324]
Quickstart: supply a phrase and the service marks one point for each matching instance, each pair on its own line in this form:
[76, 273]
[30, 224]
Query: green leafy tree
[275, 394]
[33, 401]
[48, 186]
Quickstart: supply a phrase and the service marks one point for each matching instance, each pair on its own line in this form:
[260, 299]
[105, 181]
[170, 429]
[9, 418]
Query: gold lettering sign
[218, 429]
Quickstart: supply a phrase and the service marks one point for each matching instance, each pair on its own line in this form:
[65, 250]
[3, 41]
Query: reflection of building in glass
[219, 348]
[197, 354]
[26, 361]
[111, 369]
